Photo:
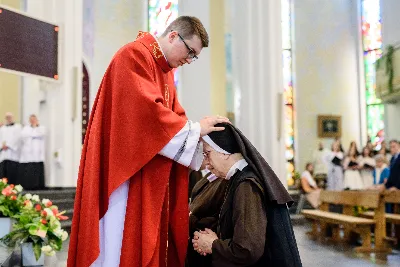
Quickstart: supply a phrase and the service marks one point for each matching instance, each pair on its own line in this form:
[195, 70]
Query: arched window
[288, 88]
[372, 47]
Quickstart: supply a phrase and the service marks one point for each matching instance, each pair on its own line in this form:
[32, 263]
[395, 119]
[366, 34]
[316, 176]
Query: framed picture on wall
[329, 126]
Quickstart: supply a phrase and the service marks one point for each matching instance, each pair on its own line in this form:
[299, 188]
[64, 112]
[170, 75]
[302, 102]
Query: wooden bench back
[368, 199]
[392, 197]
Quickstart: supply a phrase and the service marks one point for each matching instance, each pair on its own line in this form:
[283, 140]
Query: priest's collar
[151, 43]
[239, 165]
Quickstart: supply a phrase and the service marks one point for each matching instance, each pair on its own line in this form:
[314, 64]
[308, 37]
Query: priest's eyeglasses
[191, 54]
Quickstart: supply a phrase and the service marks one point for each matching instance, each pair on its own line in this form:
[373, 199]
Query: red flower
[44, 214]
[48, 204]
[44, 221]
[38, 207]
[12, 186]
[55, 211]
[62, 217]
[13, 197]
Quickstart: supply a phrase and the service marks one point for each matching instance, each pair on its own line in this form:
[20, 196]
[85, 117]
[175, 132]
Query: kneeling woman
[254, 224]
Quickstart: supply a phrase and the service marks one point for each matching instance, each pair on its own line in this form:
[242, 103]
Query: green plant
[37, 222]
[388, 59]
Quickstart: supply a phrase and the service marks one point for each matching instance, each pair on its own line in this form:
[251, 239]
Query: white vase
[5, 226]
[28, 256]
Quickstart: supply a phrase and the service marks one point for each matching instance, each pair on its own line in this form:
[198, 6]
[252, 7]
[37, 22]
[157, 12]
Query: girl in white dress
[367, 166]
[351, 165]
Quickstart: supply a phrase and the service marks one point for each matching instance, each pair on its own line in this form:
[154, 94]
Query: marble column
[257, 77]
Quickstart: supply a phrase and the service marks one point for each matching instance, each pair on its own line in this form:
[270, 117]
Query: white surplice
[10, 135]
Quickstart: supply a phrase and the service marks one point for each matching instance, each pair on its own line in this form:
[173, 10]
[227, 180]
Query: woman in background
[335, 169]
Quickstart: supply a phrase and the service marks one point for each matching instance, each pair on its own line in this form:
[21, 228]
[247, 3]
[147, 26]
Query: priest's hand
[207, 124]
[203, 240]
[5, 147]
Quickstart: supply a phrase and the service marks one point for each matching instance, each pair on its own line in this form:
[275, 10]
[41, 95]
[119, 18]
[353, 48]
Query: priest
[254, 227]
[131, 202]
[10, 143]
[31, 166]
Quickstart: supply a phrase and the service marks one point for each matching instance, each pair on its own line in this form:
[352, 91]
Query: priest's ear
[172, 35]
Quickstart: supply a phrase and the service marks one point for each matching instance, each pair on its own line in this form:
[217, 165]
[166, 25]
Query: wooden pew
[392, 197]
[348, 199]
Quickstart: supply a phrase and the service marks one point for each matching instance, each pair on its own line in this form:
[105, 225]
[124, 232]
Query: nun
[254, 227]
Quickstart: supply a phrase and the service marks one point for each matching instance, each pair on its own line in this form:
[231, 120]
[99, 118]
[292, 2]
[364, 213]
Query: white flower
[19, 188]
[28, 196]
[14, 191]
[51, 253]
[58, 232]
[49, 213]
[45, 201]
[35, 198]
[47, 248]
[64, 236]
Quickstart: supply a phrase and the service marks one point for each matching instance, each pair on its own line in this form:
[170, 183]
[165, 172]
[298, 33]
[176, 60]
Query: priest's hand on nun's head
[207, 124]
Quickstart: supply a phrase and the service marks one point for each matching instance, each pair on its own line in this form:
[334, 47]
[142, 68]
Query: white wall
[116, 23]
[391, 36]
[54, 101]
[195, 79]
[326, 71]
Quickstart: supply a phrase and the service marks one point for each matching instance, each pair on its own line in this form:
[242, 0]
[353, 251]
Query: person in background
[10, 144]
[367, 166]
[309, 186]
[335, 169]
[381, 171]
[319, 162]
[31, 167]
[352, 176]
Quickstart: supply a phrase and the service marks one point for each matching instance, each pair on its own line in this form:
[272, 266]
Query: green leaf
[37, 249]
[55, 243]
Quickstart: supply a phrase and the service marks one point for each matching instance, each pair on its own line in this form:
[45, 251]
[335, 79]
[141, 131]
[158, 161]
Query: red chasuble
[135, 114]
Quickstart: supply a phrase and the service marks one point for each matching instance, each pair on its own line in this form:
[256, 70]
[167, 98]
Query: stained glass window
[161, 14]
[288, 89]
[372, 46]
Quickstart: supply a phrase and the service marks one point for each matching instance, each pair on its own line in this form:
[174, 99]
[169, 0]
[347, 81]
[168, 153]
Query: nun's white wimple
[217, 148]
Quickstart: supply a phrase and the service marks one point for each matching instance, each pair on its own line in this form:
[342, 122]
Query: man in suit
[393, 182]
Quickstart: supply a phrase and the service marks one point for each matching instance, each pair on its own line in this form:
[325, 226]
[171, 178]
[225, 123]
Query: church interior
[302, 79]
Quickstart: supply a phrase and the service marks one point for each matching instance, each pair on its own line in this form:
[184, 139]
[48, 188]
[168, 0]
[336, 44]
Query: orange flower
[12, 186]
[44, 221]
[13, 197]
[4, 180]
[44, 213]
[38, 207]
[7, 191]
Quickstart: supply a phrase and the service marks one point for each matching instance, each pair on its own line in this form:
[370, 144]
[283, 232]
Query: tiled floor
[313, 254]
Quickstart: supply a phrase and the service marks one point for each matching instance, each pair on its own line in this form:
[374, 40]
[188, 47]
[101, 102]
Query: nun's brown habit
[254, 224]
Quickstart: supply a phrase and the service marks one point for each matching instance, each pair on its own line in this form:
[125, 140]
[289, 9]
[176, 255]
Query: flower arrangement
[37, 221]
[10, 198]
